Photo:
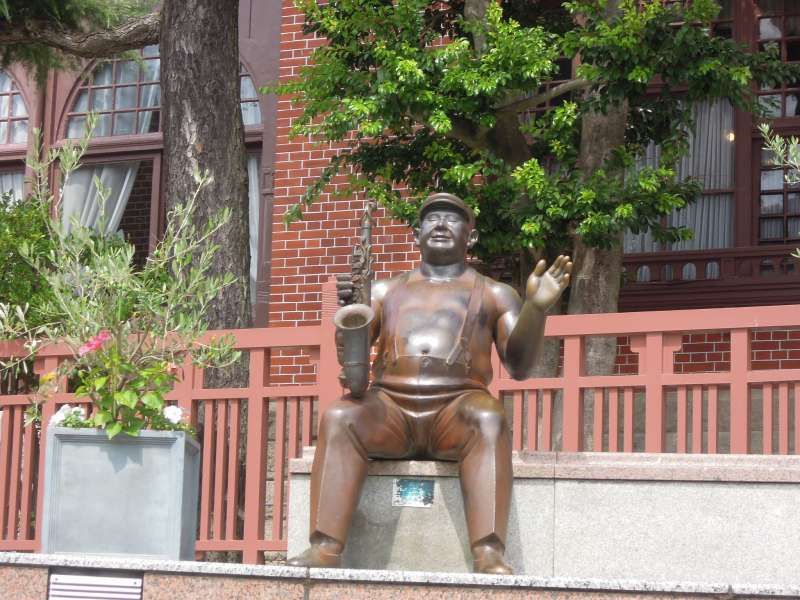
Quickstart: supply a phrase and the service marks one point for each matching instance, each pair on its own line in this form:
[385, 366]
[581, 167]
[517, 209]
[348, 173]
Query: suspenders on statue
[473, 308]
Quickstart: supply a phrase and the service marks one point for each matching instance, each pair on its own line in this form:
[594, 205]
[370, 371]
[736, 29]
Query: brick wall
[136, 218]
[627, 361]
[310, 252]
[704, 352]
[775, 349]
[711, 352]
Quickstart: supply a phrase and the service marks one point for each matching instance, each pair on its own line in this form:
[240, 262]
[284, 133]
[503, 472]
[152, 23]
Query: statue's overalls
[421, 406]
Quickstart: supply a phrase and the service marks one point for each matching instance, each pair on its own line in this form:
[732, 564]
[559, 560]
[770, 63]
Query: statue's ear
[415, 232]
[473, 238]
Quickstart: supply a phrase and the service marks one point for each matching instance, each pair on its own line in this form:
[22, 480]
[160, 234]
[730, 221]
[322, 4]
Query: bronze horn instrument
[353, 322]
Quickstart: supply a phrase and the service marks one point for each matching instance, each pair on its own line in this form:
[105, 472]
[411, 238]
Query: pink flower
[94, 343]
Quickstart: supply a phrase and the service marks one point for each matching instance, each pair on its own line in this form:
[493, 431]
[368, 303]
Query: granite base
[717, 519]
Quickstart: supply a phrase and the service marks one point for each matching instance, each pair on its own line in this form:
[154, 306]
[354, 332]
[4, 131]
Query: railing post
[654, 392]
[49, 365]
[329, 387]
[573, 399]
[740, 400]
[183, 390]
[256, 462]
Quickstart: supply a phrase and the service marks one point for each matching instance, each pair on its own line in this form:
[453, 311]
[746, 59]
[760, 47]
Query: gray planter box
[130, 495]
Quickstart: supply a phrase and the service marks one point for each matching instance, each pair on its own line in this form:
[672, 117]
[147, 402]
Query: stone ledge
[367, 577]
[87, 561]
[735, 468]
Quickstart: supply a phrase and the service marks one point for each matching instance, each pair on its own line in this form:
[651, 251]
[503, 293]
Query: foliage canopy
[428, 96]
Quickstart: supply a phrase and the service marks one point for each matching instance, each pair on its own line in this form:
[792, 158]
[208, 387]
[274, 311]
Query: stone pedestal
[716, 519]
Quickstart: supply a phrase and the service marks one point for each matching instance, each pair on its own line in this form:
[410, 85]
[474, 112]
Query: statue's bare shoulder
[506, 298]
[382, 287]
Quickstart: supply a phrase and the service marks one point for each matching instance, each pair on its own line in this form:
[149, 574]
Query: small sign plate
[412, 492]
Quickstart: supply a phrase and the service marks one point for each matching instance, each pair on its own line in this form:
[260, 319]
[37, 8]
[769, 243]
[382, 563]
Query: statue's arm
[519, 333]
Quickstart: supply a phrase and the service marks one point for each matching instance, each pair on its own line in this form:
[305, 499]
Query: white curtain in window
[81, 200]
[151, 96]
[643, 242]
[254, 195]
[710, 160]
[251, 111]
[710, 156]
[12, 181]
[710, 218]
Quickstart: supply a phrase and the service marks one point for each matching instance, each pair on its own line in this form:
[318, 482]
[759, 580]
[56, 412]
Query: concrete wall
[715, 519]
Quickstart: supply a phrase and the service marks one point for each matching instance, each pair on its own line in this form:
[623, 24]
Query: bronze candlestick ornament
[434, 327]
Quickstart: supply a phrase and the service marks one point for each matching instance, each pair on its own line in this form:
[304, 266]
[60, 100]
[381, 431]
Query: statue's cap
[449, 200]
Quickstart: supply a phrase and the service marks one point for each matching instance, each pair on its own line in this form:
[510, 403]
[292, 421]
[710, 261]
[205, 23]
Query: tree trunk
[598, 272]
[203, 131]
[595, 289]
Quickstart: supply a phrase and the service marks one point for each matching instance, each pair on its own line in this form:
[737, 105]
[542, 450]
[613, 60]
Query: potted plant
[130, 459]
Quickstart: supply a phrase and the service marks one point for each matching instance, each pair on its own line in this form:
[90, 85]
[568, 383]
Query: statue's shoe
[316, 556]
[489, 560]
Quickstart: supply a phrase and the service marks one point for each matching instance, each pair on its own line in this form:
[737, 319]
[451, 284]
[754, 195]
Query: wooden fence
[249, 434]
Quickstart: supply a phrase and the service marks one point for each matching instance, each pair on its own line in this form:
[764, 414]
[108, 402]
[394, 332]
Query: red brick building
[746, 222]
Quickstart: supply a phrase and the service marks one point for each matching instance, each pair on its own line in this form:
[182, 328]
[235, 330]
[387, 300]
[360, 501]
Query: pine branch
[134, 33]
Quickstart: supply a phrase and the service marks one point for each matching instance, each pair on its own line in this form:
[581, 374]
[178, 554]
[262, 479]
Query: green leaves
[114, 429]
[126, 398]
[127, 326]
[426, 91]
[153, 400]
[101, 418]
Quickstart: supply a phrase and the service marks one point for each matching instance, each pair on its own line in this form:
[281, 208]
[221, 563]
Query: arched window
[251, 110]
[13, 132]
[13, 112]
[126, 97]
[124, 94]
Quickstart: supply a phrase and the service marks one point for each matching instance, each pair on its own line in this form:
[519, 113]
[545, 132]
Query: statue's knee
[491, 424]
[336, 418]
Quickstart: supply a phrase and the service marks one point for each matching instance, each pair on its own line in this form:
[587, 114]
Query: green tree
[429, 96]
[200, 60]
[23, 222]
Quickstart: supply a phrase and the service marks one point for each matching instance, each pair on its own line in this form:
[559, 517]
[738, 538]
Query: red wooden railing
[249, 434]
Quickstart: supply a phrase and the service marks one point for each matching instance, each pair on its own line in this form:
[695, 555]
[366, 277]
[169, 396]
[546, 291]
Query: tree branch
[466, 133]
[519, 106]
[462, 131]
[132, 34]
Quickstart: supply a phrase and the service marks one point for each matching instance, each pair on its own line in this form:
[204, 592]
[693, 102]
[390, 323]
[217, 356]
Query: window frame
[741, 278]
[12, 156]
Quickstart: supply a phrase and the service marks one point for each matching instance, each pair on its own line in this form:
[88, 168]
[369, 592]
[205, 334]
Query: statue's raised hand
[544, 287]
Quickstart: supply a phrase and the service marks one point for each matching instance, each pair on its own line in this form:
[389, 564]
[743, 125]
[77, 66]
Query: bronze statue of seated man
[428, 399]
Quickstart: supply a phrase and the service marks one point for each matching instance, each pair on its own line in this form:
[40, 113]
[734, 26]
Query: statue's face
[445, 235]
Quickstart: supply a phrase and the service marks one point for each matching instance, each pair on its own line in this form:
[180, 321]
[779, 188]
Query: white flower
[173, 414]
[58, 418]
[79, 412]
